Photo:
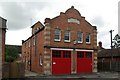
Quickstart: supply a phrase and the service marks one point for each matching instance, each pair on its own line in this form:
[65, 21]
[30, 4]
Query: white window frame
[69, 36]
[59, 35]
[40, 59]
[81, 37]
[88, 34]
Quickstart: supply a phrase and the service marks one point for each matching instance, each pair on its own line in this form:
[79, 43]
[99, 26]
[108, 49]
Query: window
[34, 40]
[88, 54]
[80, 54]
[28, 61]
[88, 38]
[56, 54]
[67, 36]
[40, 59]
[80, 37]
[66, 54]
[57, 35]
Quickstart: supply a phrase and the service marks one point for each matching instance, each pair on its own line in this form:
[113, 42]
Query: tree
[11, 53]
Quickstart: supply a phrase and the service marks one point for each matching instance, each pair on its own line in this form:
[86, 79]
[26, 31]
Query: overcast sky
[21, 15]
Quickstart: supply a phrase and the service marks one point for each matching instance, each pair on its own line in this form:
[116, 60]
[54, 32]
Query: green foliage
[11, 53]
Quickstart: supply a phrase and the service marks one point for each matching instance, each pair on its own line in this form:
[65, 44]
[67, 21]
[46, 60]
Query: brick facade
[2, 42]
[42, 41]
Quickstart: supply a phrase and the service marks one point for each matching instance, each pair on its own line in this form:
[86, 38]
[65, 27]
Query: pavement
[30, 73]
[84, 76]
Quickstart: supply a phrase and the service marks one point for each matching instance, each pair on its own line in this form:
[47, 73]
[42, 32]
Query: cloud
[98, 20]
[19, 15]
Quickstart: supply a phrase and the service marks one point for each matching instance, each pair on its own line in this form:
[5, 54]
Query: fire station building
[66, 44]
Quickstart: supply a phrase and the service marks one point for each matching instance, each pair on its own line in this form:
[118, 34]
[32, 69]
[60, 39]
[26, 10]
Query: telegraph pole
[111, 48]
[111, 37]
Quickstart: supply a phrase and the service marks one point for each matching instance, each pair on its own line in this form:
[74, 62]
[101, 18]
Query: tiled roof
[109, 52]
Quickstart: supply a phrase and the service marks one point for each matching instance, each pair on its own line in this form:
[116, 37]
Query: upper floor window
[67, 36]
[80, 37]
[57, 35]
[73, 20]
[88, 38]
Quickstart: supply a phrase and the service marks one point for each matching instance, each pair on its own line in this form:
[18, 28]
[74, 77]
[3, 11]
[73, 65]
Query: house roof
[109, 52]
[37, 23]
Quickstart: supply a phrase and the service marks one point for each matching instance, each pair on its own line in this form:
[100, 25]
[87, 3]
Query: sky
[22, 14]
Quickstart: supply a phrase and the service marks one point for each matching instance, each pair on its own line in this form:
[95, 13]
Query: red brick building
[2, 42]
[65, 44]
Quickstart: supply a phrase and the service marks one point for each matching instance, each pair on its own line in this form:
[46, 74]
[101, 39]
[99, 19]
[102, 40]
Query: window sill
[66, 41]
[56, 40]
[79, 42]
[88, 43]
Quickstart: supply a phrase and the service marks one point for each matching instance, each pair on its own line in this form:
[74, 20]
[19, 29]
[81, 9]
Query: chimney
[22, 41]
[47, 20]
[100, 44]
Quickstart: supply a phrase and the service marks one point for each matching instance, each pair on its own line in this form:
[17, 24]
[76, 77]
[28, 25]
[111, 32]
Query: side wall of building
[0, 53]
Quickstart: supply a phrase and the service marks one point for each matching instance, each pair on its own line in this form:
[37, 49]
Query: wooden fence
[108, 66]
[13, 70]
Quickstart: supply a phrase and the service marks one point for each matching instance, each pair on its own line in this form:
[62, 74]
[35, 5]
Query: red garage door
[61, 62]
[84, 61]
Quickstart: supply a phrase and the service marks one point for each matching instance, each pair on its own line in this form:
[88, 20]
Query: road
[82, 76]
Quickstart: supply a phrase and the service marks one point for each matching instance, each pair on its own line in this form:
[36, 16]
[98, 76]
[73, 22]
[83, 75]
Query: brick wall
[0, 53]
[2, 42]
[32, 48]
[45, 37]
[61, 23]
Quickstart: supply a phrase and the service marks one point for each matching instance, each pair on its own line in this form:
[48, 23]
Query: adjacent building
[2, 42]
[65, 44]
[109, 59]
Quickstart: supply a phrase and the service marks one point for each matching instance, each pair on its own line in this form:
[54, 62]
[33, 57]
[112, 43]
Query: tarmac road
[82, 76]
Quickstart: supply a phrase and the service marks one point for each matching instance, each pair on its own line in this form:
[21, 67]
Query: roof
[33, 34]
[109, 52]
[36, 23]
